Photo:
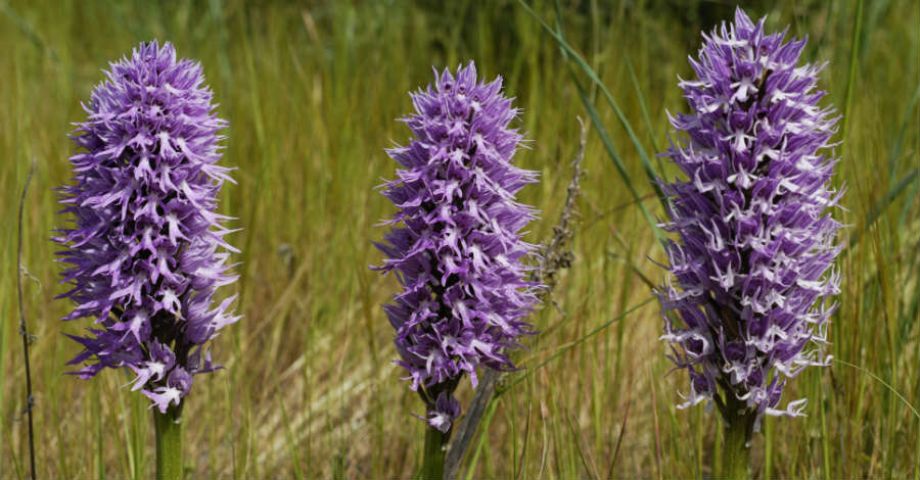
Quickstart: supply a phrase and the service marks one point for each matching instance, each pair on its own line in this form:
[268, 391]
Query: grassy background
[311, 93]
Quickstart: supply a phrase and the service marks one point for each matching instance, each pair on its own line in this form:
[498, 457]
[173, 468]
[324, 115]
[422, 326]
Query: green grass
[311, 94]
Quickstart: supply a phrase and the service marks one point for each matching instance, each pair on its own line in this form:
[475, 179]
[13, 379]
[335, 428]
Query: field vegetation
[312, 93]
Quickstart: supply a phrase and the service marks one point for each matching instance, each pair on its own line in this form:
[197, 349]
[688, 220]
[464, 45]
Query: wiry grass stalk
[23, 327]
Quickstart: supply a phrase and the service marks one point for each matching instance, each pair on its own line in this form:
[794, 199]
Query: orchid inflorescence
[456, 244]
[147, 252]
[756, 242]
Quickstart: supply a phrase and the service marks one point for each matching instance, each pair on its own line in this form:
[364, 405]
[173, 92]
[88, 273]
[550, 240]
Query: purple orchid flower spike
[147, 252]
[756, 242]
[455, 244]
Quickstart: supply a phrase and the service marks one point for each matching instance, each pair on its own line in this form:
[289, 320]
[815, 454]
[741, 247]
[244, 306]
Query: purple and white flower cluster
[756, 241]
[456, 245]
[146, 251]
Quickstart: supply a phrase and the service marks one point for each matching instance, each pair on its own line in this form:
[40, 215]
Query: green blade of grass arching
[609, 146]
[614, 156]
[570, 53]
[895, 153]
[646, 116]
[650, 173]
[898, 143]
[879, 208]
[896, 149]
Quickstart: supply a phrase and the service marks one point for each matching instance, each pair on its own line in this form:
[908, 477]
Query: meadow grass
[311, 93]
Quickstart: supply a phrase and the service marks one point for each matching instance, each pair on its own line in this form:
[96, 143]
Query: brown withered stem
[23, 330]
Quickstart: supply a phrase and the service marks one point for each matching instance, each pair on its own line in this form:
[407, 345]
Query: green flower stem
[169, 443]
[435, 449]
[739, 428]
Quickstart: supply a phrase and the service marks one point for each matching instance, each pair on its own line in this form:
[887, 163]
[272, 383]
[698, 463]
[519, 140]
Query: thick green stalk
[435, 448]
[736, 453]
[169, 443]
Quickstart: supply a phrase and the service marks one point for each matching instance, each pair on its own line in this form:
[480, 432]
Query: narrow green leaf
[583, 65]
[879, 208]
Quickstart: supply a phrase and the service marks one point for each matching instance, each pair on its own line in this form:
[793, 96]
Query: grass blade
[885, 384]
[879, 208]
[851, 77]
[583, 65]
[615, 157]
